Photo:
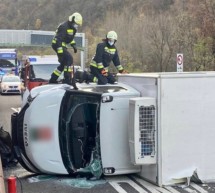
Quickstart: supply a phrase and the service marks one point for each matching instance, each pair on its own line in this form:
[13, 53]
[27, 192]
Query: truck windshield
[43, 71]
[79, 129]
[6, 63]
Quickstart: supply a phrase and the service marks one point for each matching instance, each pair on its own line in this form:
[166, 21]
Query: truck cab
[36, 70]
[75, 130]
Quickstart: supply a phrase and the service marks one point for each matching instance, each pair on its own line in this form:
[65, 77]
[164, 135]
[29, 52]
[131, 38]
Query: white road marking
[200, 189]
[150, 187]
[171, 189]
[162, 190]
[16, 110]
[190, 190]
[117, 187]
[116, 180]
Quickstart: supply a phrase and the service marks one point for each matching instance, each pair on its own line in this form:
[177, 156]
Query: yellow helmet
[112, 35]
[76, 17]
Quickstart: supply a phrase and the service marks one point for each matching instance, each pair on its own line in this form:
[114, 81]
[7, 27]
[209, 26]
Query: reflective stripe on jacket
[105, 54]
[64, 35]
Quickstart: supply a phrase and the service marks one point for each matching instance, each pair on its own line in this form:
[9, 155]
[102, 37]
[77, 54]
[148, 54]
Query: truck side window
[32, 74]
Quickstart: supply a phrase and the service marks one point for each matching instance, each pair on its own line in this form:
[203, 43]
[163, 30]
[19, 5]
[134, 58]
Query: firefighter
[65, 35]
[106, 52]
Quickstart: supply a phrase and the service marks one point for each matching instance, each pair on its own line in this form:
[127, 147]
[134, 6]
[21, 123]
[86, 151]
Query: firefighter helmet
[76, 17]
[112, 35]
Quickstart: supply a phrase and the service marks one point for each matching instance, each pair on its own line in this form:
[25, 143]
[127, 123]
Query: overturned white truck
[158, 125]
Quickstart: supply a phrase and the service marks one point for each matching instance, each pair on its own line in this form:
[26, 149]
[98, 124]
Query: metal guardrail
[36, 38]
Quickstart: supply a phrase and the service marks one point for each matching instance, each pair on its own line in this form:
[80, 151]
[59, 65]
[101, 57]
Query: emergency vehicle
[8, 61]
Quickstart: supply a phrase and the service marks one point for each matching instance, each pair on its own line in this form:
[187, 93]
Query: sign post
[179, 60]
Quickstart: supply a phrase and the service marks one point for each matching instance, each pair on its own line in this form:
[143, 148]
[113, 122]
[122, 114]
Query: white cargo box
[185, 122]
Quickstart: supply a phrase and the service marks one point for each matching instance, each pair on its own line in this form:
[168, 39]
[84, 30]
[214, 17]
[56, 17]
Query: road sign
[180, 59]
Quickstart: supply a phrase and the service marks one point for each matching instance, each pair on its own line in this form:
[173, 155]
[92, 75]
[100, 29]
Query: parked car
[10, 84]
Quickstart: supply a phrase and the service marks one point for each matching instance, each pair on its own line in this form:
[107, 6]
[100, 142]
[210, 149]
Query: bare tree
[159, 35]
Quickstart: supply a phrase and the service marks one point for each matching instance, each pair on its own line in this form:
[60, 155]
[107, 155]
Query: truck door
[114, 137]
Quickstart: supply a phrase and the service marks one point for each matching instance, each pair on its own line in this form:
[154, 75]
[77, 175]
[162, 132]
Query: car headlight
[4, 86]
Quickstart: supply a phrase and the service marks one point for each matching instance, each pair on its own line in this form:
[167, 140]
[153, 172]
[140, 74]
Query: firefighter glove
[104, 72]
[123, 71]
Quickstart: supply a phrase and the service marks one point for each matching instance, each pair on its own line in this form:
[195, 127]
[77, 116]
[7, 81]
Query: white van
[60, 130]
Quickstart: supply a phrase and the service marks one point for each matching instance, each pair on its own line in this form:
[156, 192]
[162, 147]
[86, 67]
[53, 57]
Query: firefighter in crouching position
[106, 52]
[65, 34]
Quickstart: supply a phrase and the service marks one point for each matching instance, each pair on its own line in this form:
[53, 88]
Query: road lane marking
[200, 189]
[171, 189]
[190, 190]
[114, 182]
[149, 186]
[117, 187]
[143, 186]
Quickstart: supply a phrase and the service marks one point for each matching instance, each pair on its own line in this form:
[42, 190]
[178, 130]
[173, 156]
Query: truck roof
[7, 50]
[46, 59]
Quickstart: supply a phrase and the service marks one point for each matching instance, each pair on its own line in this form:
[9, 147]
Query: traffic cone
[11, 181]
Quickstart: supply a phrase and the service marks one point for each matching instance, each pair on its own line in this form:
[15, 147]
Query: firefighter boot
[79, 76]
[83, 76]
[67, 78]
[89, 77]
[53, 79]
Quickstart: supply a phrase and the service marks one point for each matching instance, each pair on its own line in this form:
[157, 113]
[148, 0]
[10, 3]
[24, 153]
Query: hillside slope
[23, 14]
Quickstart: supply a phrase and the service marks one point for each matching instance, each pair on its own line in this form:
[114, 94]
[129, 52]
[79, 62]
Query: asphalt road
[30, 183]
